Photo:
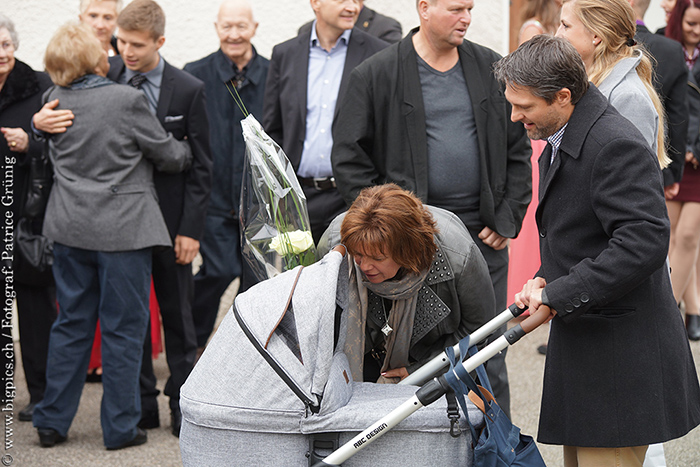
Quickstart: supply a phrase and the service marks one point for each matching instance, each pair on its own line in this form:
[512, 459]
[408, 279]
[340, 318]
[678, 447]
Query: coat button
[585, 298]
[114, 189]
[576, 302]
[543, 233]
[568, 308]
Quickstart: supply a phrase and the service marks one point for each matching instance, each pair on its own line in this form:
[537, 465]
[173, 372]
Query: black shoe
[692, 325]
[93, 376]
[140, 438]
[176, 421]
[542, 349]
[48, 437]
[27, 413]
[149, 419]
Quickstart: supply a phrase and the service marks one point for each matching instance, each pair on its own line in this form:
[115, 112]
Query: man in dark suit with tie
[671, 84]
[307, 77]
[177, 99]
[371, 22]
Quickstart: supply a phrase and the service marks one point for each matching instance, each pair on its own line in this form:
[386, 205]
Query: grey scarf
[403, 294]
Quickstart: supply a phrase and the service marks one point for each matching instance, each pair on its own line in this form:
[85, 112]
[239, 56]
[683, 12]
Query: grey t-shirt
[453, 146]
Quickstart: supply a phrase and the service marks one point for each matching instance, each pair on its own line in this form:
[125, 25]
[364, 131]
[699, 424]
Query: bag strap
[453, 414]
[459, 391]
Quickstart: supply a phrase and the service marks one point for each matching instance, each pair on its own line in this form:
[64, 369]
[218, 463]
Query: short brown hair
[73, 52]
[388, 220]
[143, 15]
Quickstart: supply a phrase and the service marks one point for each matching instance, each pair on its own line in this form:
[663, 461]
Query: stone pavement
[84, 445]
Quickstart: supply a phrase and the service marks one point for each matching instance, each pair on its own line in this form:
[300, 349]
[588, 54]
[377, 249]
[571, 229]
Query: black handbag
[40, 182]
[34, 252]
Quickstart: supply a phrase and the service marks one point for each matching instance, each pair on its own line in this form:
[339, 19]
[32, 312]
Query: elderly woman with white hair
[20, 96]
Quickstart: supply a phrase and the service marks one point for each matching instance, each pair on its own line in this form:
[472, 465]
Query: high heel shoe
[692, 325]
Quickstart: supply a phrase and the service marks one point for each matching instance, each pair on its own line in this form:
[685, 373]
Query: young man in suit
[609, 390]
[307, 77]
[455, 150]
[177, 99]
[238, 64]
[371, 22]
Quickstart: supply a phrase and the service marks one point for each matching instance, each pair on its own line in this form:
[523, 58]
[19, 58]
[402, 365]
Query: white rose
[298, 241]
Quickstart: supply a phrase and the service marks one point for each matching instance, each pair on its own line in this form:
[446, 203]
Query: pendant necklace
[386, 329]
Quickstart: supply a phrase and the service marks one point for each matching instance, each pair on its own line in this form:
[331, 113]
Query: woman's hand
[689, 157]
[17, 139]
[396, 373]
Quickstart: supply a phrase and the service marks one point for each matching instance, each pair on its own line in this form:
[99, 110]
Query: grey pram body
[237, 409]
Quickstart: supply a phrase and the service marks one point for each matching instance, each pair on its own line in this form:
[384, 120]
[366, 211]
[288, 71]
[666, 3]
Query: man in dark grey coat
[456, 150]
[619, 373]
[238, 64]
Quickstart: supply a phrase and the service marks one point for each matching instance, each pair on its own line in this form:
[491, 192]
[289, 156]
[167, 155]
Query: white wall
[190, 32]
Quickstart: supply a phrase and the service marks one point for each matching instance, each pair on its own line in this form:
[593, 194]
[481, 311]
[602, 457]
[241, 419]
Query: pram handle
[430, 369]
[432, 391]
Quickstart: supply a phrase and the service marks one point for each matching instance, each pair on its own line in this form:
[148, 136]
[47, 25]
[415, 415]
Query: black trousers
[36, 310]
[174, 286]
[323, 207]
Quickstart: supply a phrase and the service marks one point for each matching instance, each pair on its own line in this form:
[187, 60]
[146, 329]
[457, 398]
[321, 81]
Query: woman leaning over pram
[419, 283]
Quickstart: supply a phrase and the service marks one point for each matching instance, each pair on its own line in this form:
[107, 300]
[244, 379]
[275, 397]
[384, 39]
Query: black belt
[321, 184]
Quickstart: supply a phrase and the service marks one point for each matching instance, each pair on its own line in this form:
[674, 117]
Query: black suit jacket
[371, 22]
[670, 83]
[284, 108]
[183, 197]
[380, 134]
[604, 234]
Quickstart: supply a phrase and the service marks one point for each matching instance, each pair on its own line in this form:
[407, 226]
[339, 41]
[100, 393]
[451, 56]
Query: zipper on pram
[310, 405]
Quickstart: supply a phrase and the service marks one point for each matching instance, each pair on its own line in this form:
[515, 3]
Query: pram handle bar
[431, 391]
[427, 371]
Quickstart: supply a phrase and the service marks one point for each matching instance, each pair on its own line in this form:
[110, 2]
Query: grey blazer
[626, 92]
[103, 197]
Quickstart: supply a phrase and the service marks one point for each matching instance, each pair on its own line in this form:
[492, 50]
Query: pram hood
[233, 381]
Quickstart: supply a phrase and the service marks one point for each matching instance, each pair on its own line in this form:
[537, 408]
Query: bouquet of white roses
[275, 229]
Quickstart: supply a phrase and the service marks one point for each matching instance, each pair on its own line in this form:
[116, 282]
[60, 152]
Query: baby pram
[271, 388]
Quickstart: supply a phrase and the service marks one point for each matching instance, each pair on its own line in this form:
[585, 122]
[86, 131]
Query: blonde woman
[602, 31]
